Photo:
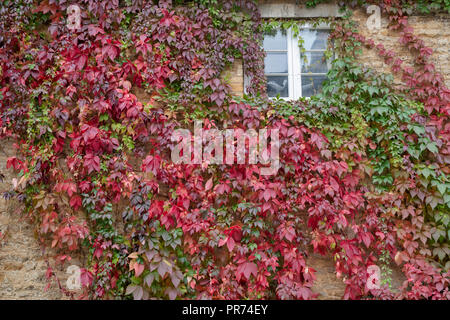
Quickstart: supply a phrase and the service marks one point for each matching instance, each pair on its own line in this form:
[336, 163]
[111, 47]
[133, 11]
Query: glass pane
[277, 85]
[311, 85]
[315, 39]
[276, 63]
[316, 62]
[275, 41]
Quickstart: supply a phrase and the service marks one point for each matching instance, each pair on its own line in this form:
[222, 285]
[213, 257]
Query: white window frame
[295, 62]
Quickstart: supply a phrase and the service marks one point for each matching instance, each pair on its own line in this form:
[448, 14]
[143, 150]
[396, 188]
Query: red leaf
[13, 162]
[86, 278]
[209, 184]
[138, 269]
[151, 163]
[230, 243]
[92, 163]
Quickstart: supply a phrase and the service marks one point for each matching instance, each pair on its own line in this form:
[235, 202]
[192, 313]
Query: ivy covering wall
[364, 164]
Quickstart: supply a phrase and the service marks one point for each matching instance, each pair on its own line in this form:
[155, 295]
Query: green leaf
[442, 187]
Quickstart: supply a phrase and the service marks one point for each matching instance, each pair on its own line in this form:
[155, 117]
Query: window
[290, 73]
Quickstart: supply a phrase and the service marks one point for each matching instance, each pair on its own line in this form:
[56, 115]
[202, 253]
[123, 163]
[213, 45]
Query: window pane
[276, 41]
[316, 62]
[276, 63]
[277, 85]
[315, 39]
[311, 85]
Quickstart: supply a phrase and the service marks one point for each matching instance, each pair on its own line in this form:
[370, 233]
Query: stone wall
[22, 266]
[234, 76]
[434, 30]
